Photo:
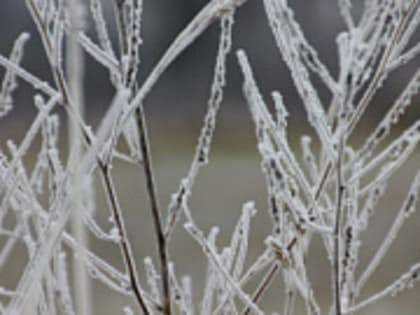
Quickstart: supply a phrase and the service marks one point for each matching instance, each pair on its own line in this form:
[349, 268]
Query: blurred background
[175, 111]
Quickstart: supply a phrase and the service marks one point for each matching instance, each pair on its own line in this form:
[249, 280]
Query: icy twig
[405, 281]
[234, 285]
[406, 210]
[201, 156]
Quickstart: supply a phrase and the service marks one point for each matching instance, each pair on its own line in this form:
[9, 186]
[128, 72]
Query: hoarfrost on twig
[36, 202]
[214, 257]
[9, 83]
[180, 198]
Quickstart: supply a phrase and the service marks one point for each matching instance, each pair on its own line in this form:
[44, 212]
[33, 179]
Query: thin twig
[154, 205]
[263, 286]
[124, 242]
[337, 230]
[376, 80]
[294, 240]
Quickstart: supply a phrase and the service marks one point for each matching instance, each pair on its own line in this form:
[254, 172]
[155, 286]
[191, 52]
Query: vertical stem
[75, 74]
[337, 229]
[147, 162]
[124, 242]
[154, 205]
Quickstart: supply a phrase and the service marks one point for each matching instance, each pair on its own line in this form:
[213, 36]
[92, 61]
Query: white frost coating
[99, 55]
[405, 281]
[409, 32]
[62, 279]
[372, 200]
[186, 284]
[309, 158]
[297, 272]
[289, 44]
[407, 209]
[101, 27]
[345, 7]
[391, 118]
[405, 58]
[104, 141]
[395, 153]
[281, 112]
[242, 234]
[236, 253]
[6, 191]
[210, 286]
[198, 236]
[304, 195]
[153, 279]
[57, 36]
[261, 114]
[128, 310]
[213, 10]
[37, 83]
[30, 280]
[6, 292]
[177, 292]
[9, 83]
[180, 199]
[134, 11]
[132, 137]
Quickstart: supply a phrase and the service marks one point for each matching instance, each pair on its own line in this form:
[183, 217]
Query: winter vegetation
[327, 190]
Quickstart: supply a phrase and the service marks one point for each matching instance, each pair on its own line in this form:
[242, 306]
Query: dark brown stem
[147, 161]
[154, 205]
[124, 242]
[337, 250]
[265, 283]
[336, 272]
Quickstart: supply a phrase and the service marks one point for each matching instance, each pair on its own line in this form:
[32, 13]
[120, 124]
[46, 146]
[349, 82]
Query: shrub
[331, 191]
